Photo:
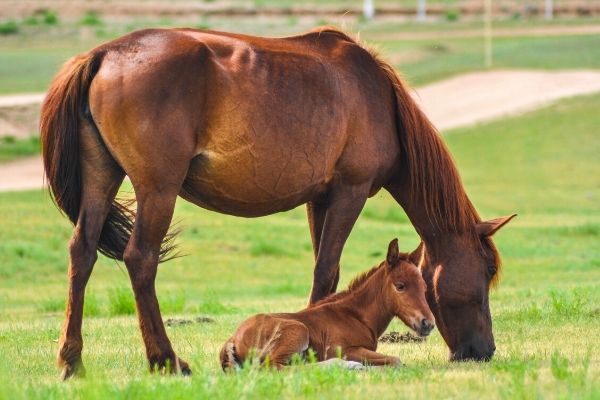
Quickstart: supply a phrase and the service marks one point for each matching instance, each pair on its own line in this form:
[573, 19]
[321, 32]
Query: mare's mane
[430, 171]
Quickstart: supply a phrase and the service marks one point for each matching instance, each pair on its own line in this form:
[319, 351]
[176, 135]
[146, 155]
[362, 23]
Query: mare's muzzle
[473, 351]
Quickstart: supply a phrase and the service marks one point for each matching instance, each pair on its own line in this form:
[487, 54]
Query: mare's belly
[249, 181]
[270, 134]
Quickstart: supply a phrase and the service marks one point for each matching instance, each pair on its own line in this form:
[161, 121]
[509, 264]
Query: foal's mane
[429, 169]
[357, 283]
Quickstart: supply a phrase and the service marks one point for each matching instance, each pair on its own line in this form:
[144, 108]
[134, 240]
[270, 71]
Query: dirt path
[26, 173]
[483, 96]
[459, 101]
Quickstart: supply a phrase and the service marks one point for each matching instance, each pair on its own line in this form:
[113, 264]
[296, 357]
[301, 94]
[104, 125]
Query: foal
[349, 322]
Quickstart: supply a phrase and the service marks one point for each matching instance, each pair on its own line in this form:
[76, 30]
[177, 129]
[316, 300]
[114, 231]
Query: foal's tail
[229, 359]
[64, 111]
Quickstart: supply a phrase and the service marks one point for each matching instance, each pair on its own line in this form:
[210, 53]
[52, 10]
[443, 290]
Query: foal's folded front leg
[369, 357]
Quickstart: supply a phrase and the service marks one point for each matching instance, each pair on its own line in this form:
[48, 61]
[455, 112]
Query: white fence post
[369, 9]
[487, 33]
[421, 11]
[549, 9]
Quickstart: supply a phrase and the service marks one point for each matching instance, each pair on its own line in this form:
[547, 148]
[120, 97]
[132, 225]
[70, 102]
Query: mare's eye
[400, 286]
[492, 269]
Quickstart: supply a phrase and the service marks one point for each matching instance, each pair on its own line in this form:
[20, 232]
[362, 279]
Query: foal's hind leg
[292, 338]
[101, 181]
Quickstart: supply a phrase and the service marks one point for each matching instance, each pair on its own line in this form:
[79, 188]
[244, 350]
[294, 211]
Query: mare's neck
[369, 304]
[437, 238]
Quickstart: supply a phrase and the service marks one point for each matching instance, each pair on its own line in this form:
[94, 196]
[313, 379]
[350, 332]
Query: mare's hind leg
[344, 206]
[154, 213]
[101, 181]
[156, 184]
[316, 212]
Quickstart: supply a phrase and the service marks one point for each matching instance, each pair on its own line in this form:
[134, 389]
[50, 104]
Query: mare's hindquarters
[83, 180]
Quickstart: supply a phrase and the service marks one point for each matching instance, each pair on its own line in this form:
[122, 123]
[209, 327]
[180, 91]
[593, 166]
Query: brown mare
[345, 324]
[252, 126]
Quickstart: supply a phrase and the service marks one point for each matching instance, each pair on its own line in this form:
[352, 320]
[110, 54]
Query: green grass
[121, 301]
[12, 148]
[546, 311]
[423, 61]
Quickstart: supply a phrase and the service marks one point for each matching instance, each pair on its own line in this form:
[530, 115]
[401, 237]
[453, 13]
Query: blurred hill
[526, 8]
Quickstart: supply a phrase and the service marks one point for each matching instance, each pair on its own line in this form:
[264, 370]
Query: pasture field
[542, 165]
[12, 148]
[30, 57]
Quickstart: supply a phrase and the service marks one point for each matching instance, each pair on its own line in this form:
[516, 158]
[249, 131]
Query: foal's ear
[488, 228]
[393, 254]
[416, 256]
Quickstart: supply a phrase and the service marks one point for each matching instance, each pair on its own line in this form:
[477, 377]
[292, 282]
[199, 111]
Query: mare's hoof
[167, 366]
[72, 370]
[184, 368]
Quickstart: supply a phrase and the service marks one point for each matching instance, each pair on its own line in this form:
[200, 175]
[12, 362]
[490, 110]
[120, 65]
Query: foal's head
[404, 291]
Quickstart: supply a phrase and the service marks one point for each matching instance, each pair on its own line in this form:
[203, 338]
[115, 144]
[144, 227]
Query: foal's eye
[400, 286]
[492, 269]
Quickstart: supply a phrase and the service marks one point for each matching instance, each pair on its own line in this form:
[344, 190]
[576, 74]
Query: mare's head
[404, 291]
[459, 271]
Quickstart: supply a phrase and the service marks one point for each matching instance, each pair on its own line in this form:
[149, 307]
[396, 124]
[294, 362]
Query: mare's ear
[416, 256]
[488, 228]
[393, 254]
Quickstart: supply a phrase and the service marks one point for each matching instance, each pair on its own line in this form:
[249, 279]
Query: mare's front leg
[316, 212]
[369, 357]
[344, 205]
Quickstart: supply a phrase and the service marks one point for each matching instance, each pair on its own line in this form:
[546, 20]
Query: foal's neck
[369, 303]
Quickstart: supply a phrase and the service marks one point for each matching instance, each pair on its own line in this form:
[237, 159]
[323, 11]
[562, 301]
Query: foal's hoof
[341, 363]
[354, 365]
[75, 370]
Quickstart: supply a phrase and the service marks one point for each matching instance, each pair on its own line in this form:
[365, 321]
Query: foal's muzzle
[425, 327]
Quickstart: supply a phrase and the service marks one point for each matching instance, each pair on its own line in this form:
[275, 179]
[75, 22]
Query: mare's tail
[64, 109]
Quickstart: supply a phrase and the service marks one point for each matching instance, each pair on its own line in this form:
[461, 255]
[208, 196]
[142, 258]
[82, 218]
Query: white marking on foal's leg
[338, 362]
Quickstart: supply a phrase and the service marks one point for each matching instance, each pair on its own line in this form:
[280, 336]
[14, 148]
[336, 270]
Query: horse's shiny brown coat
[346, 324]
[251, 126]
